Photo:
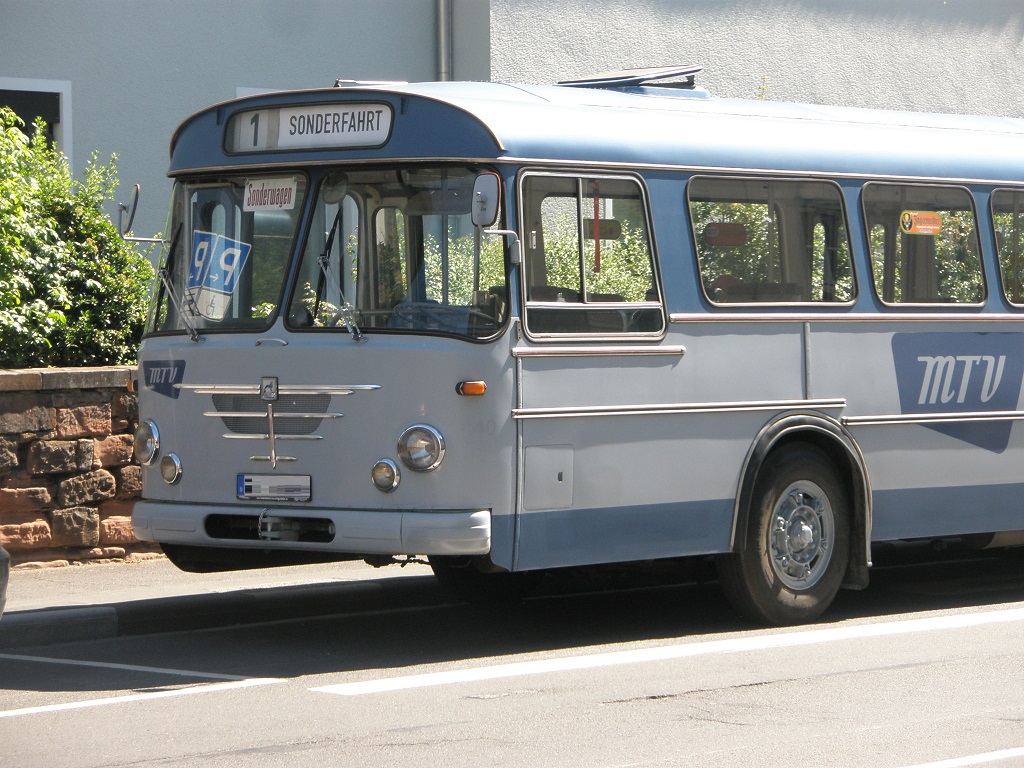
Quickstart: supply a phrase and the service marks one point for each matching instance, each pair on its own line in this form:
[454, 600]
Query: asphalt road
[924, 668]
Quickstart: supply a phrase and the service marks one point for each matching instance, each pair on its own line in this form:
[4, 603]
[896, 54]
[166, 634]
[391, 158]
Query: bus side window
[1008, 223]
[589, 267]
[924, 244]
[771, 241]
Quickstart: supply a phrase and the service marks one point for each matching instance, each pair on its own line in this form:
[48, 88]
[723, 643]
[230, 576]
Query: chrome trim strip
[932, 418]
[563, 164]
[553, 164]
[718, 316]
[564, 412]
[278, 414]
[265, 436]
[610, 351]
[284, 389]
[273, 459]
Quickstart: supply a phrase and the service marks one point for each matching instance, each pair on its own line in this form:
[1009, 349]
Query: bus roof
[637, 126]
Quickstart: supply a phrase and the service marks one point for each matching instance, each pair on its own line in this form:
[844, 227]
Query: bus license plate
[274, 487]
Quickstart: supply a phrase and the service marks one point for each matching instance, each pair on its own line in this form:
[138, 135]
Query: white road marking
[127, 667]
[988, 757]
[229, 682]
[669, 652]
[189, 691]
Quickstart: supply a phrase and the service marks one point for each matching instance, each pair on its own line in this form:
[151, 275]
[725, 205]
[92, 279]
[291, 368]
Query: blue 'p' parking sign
[213, 271]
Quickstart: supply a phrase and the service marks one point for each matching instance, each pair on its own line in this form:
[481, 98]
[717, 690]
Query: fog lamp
[147, 442]
[385, 475]
[421, 448]
[170, 468]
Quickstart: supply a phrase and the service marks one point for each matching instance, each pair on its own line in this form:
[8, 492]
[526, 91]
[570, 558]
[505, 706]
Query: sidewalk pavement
[98, 601]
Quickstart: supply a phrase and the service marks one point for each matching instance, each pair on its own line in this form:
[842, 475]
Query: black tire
[461, 580]
[792, 560]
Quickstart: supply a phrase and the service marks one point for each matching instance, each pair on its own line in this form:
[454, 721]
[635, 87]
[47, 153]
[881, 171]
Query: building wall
[130, 72]
[134, 70]
[922, 55]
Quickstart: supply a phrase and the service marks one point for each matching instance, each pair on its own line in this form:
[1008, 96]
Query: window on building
[29, 105]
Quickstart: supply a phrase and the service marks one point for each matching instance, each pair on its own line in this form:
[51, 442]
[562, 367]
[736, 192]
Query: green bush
[72, 291]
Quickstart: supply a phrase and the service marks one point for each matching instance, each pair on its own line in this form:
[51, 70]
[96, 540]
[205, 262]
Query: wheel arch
[835, 441]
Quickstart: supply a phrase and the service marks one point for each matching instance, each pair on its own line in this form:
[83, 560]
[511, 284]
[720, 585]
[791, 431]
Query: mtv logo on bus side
[216, 262]
[163, 376]
[961, 373]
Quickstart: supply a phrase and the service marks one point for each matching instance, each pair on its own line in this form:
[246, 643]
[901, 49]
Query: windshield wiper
[345, 313]
[165, 279]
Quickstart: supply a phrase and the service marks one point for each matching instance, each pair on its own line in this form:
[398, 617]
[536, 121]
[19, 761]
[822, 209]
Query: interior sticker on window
[213, 272]
[270, 194]
[921, 222]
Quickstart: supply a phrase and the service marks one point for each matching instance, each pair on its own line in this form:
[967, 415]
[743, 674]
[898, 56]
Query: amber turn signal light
[471, 387]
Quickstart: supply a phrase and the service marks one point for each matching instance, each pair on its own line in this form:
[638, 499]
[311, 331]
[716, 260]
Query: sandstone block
[53, 457]
[116, 531]
[76, 527]
[129, 481]
[24, 499]
[83, 421]
[20, 414]
[26, 535]
[92, 486]
[116, 508]
[112, 451]
[8, 454]
[72, 397]
[124, 411]
[10, 517]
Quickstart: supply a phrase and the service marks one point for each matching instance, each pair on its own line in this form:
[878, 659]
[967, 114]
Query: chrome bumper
[449, 532]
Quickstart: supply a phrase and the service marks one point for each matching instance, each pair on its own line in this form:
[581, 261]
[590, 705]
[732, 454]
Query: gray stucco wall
[921, 55]
[138, 68]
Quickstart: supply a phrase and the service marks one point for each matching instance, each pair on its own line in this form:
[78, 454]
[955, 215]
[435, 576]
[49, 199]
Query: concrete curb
[57, 625]
[49, 626]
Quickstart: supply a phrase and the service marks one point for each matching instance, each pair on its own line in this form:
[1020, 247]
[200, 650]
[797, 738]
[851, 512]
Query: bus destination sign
[314, 126]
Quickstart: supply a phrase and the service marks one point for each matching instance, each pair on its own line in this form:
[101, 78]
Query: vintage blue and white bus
[514, 328]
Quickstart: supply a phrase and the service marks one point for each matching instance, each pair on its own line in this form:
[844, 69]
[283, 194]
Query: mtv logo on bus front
[961, 373]
[213, 271]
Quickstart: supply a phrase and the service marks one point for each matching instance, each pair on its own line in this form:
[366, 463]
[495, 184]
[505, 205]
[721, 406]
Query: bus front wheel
[790, 564]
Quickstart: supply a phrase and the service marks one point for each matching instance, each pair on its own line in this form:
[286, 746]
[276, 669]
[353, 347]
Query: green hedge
[72, 291]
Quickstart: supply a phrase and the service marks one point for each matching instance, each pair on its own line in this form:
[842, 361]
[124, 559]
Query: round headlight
[170, 468]
[421, 448]
[147, 442]
[385, 475]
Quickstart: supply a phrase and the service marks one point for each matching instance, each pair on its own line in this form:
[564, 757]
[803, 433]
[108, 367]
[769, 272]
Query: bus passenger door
[592, 357]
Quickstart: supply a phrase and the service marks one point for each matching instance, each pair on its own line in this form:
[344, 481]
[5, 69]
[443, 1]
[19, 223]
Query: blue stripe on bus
[910, 513]
[566, 537]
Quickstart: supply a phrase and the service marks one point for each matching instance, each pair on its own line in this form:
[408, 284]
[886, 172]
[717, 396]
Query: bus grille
[307, 411]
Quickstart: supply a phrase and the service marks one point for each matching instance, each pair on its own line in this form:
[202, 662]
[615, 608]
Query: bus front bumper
[400, 532]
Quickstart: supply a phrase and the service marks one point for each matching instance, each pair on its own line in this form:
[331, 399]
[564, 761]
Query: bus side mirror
[486, 199]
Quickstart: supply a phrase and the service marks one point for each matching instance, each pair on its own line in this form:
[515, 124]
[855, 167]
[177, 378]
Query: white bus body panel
[463, 507]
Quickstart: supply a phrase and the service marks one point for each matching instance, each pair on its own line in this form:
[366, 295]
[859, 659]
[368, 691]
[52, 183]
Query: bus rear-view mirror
[486, 199]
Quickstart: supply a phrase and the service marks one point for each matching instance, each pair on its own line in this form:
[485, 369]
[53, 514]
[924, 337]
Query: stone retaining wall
[68, 480]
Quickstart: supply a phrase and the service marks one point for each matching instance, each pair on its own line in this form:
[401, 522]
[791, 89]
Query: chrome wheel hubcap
[800, 535]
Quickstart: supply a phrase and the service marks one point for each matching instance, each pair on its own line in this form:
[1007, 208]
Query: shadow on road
[406, 623]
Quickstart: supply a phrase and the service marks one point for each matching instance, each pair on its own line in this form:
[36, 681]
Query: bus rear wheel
[791, 562]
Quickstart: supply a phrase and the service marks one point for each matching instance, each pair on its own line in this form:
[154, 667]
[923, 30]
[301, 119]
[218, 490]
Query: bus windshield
[394, 250]
[224, 263]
